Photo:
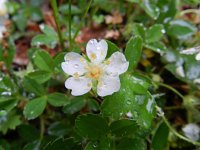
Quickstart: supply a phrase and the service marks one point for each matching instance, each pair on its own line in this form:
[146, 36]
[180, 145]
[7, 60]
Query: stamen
[107, 62]
[81, 60]
[93, 56]
[76, 75]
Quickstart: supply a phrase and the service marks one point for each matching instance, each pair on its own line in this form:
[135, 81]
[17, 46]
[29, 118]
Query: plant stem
[85, 14]
[170, 88]
[70, 39]
[56, 18]
[42, 127]
[196, 11]
[174, 131]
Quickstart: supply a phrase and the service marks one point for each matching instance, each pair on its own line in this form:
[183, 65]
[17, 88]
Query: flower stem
[42, 127]
[84, 16]
[70, 39]
[174, 131]
[56, 18]
[171, 88]
[196, 11]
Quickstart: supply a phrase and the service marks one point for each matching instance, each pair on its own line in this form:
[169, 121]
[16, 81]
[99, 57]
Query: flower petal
[96, 51]
[79, 86]
[74, 64]
[117, 64]
[108, 85]
[197, 57]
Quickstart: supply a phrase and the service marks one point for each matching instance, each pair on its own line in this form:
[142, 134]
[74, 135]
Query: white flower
[97, 71]
[194, 50]
[3, 8]
[192, 131]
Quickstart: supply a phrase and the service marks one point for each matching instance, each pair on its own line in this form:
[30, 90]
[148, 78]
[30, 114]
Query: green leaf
[65, 144]
[141, 107]
[59, 128]
[20, 19]
[161, 135]
[93, 105]
[157, 47]
[35, 145]
[42, 39]
[7, 103]
[28, 132]
[154, 33]
[111, 48]
[168, 9]
[35, 108]
[65, 9]
[40, 76]
[181, 29]
[124, 127]
[49, 38]
[103, 144]
[132, 144]
[43, 61]
[4, 145]
[74, 105]
[133, 51]
[32, 86]
[57, 99]
[139, 29]
[91, 126]
[150, 8]
[58, 59]
[10, 121]
[48, 30]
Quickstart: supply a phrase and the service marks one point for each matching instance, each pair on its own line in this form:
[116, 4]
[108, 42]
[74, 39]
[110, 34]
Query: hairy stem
[170, 88]
[69, 28]
[56, 18]
[84, 16]
[173, 130]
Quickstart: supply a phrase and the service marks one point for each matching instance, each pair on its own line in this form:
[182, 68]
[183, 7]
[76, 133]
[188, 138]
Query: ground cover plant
[99, 74]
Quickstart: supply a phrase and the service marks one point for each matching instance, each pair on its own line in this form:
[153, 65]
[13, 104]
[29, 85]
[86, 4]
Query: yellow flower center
[93, 56]
[94, 72]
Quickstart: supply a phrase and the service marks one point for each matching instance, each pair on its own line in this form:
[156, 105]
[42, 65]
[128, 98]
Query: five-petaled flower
[98, 73]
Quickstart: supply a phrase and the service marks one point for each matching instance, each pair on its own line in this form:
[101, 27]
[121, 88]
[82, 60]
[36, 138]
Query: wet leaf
[43, 61]
[40, 76]
[181, 29]
[150, 8]
[111, 48]
[139, 106]
[133, 144]
[161, 135]
[34, 108]
[91, 126]
[31, 85]
[155, 33]
[133, 51]
[10, 121]
[57, 99]
[74, 105]
[124, 127]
